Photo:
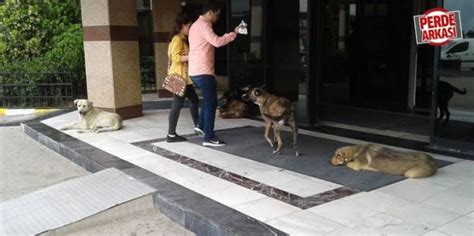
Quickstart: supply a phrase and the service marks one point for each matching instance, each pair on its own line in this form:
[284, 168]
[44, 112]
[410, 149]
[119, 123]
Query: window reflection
[455, 118]
[246, 51]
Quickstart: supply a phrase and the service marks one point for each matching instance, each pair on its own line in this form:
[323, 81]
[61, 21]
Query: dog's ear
[246, 89]
[347, 152]
[263, 87]
[90, 103]
[357, 150]
[76, 101]
[257, 92]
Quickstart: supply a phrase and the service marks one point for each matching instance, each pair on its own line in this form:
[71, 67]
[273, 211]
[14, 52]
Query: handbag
[174, 83]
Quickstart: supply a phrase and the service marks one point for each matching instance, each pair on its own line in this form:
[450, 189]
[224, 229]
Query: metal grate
[55, 89]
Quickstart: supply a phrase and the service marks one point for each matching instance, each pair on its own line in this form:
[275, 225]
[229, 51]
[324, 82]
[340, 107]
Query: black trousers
[178, 102]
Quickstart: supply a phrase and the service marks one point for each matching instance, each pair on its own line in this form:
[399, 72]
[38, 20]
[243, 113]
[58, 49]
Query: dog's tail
[464, 91]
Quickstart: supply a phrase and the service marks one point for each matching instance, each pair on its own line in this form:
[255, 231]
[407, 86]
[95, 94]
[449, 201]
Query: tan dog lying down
[94, 120]
[377, 158]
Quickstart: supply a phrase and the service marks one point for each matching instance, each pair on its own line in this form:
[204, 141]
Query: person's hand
[236, 30]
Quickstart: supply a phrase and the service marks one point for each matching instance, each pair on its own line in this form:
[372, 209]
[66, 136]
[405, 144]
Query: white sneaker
[198, 132]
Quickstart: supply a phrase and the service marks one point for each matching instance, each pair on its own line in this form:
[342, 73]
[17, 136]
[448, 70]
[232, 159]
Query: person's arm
[176, 46]
[215, 40]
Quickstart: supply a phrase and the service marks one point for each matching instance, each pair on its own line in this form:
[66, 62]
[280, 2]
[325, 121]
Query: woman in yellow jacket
[178, 50]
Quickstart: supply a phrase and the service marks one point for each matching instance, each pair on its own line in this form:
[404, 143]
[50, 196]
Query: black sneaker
[214, 142]
[198, 131]
[175, 138]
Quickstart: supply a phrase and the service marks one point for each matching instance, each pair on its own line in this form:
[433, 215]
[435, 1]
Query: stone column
[111, 56]
[164, 14]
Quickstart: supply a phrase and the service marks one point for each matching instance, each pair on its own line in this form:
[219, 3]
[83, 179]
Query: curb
[18, 112]
[17, 116]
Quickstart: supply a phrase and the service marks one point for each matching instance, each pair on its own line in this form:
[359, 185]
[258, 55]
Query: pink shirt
[202, 41]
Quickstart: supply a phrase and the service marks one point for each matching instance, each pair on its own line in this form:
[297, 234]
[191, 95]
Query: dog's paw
[63, 128]
[298, 154]
[80, 132]
[277, 152]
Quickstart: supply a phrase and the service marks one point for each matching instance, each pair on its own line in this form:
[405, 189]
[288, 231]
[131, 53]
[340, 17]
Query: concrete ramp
[69, 202]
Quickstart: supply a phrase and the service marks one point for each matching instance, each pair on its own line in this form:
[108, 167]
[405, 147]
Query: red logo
[437, 27]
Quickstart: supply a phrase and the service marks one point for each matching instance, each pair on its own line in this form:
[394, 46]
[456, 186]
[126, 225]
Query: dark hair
[181, 20]
[211, 6]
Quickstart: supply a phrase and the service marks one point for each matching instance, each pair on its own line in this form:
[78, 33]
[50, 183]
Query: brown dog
[276, 112]
[377, 158]
[230, 107]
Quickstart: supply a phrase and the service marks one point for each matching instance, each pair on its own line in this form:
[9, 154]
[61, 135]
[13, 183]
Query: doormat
[248, 142]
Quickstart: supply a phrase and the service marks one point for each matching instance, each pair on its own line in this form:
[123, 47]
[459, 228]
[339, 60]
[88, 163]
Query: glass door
[454, 126]
[286, 50]
[367, 60]
[246, 58]
[275, 53]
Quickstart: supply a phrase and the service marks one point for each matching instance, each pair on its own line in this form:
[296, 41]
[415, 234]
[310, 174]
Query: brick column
[164, 14]
[111, 56]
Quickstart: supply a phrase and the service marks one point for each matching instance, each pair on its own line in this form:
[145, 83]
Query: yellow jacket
[176, 49]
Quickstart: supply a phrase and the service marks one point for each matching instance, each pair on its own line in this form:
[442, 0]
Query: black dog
[445, 93]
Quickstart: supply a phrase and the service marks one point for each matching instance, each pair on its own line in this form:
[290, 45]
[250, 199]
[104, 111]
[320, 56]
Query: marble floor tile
[248, 168]
[420, 214]
[376, 201]
[462, 171]
[161, 167]
[464, 167]
[448, 178]
[415, 190]
[228, 162]
[436, 233]
[305, 187]
[155, 163]
[123, 150]
[342, 212]
[235, 196]
[127, 136]
[266, 209]
[381, 225]
[384, 224]
[152, 133]
[454, 199]
[198, 181]
[304, 223]
[56, 123]
[193, 151]
[275, 177]
[461, 226]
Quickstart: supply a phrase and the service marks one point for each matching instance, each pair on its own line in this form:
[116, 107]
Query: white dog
[93, 119]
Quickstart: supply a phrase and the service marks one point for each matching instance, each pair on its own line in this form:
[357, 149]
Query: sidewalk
[288, 200]
[29, 168]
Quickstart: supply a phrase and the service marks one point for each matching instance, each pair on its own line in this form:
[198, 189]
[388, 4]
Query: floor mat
[248, 142]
